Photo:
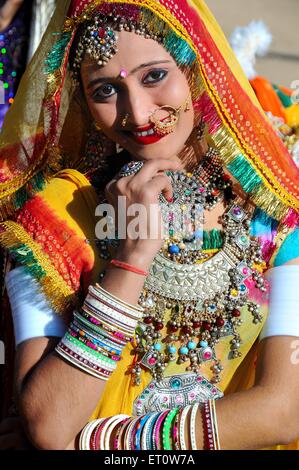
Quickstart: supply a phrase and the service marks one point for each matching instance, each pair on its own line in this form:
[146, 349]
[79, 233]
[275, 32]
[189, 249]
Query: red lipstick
[150, 138]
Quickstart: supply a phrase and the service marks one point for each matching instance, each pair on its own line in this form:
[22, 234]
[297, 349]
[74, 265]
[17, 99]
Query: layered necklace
[193, 297]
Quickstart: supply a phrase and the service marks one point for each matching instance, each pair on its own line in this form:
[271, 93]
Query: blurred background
[281, 65]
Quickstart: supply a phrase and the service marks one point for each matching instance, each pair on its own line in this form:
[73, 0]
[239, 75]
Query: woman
[183, 311]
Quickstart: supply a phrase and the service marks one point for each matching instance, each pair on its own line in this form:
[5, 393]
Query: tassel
[18, 242]
[23, 254]
[264, 219]
[179, 49]
[212, 239]
[292, 219]
[57, 53]
[37, 183]
[226, 145]
[241, 169]
[269, 203]
[206, 109]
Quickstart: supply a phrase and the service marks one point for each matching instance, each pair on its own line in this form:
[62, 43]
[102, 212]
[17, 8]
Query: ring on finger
[130, 168]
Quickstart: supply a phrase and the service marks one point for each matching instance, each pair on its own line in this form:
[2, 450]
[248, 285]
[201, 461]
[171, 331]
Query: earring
[125, 120]
[97, 127]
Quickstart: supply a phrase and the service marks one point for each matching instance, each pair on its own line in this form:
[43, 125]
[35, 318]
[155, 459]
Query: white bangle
[85, 435]
[193, 426]
[112, 423]
[182, 427]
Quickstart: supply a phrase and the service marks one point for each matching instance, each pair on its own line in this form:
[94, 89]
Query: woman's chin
[154, 152]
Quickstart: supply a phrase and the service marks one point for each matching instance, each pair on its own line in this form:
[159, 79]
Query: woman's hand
[143, 189]
[12, 435]
[8, 12]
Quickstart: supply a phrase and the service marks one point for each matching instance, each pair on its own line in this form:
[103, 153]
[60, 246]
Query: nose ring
[125, 120]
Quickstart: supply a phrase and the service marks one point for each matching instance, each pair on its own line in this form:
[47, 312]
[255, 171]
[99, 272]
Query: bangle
[132, 433]
[96, 437]
[85, 435]
[117, 440]
[208, 428]
[81, 344]
[128, 267]
[182, 427]
[175, 430]
[113, 422]
[156, 437]
[167, 429]
[146, 441]
[215, 425]
[140, 427]
[116, 300]
[193, 426]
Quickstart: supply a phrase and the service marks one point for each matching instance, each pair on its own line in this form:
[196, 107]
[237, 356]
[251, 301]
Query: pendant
[175, 391]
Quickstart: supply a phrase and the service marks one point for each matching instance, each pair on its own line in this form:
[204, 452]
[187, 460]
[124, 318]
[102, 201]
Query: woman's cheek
[103, 114]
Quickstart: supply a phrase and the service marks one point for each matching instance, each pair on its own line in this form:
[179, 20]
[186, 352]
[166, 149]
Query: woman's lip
[143, 129]
[146, 139]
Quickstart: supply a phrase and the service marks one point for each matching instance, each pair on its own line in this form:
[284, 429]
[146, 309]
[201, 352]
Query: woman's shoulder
[49, 235]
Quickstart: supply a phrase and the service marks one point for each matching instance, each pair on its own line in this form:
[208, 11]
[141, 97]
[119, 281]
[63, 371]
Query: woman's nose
[139, 107]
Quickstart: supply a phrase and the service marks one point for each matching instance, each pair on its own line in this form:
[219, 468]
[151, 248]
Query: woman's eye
[105, 91]
[155, 76]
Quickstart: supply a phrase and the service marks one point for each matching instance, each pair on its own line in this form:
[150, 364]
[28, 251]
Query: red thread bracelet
[128, 267]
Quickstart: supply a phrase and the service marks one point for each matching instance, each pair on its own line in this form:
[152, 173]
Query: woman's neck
[193, 152]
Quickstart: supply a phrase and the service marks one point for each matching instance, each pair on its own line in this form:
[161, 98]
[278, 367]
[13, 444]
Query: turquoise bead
[176, 384]
[191, 345]
[203, 344]
[184, 350]
[158, 347]
[172, 349]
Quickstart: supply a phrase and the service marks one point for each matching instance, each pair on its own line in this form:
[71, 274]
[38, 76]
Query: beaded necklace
[202, 294]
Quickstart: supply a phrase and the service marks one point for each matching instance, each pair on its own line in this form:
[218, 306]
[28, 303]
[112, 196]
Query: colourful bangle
[193, 426]
[96, 437]
[207, 424]
[128, 267]
[86, 433]
[114, 421]
[132, 432]
[166, 433]
[123, 433]
[215, 425]
[117, 440]
[146, 439]
[175, 430]
[157, 441]
[140, 427]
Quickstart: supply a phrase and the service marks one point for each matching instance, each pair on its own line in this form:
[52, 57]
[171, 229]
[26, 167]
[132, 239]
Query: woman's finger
[160, 184]
[153, 167]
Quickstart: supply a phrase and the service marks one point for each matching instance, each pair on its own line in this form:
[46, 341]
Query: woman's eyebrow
[136, 69]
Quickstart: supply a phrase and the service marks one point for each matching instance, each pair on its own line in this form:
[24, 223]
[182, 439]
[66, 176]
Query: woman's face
[153, 80]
